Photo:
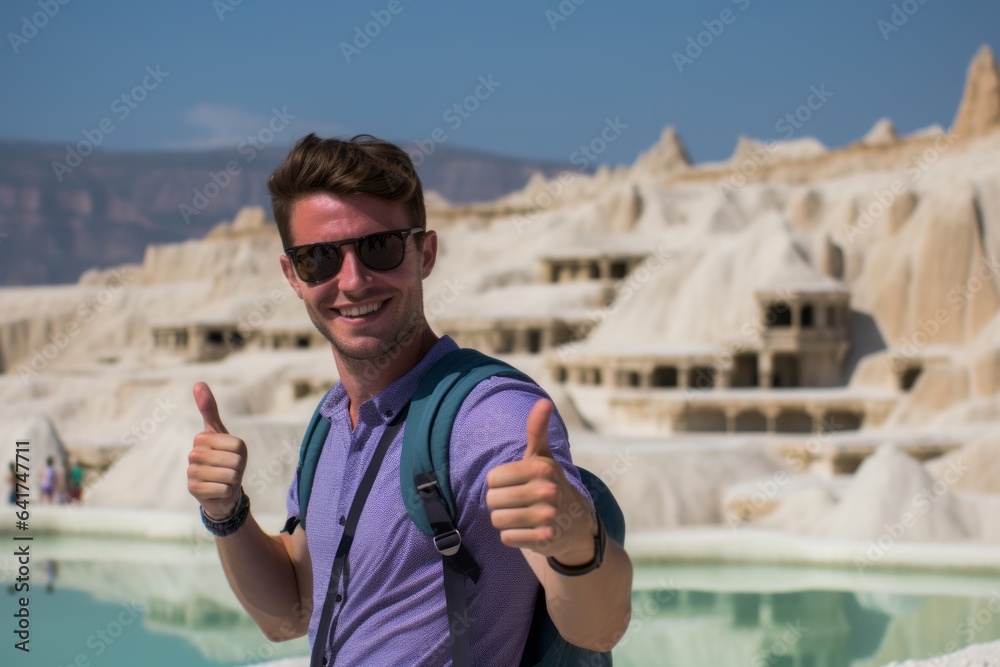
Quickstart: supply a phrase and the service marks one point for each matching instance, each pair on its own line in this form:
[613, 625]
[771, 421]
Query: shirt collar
[387, 403]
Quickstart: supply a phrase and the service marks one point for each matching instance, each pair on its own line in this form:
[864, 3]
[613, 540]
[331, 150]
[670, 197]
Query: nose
[353, 275]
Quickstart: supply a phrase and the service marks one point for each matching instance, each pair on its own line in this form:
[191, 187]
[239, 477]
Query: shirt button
[343, 520]
[338, 597]
[324, 660]
[388, 413]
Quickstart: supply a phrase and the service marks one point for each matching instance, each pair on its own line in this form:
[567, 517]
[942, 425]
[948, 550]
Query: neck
[365, 378]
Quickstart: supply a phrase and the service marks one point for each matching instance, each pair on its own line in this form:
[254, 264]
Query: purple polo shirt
[394, 610]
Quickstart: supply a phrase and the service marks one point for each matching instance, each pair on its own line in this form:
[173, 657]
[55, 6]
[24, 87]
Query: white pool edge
[689, 544]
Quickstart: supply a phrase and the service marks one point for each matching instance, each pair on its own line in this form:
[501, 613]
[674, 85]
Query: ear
[428, 253]
[290, 275]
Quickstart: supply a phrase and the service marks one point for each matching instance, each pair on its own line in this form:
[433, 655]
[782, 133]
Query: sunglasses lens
[316, 263]
[382, 252]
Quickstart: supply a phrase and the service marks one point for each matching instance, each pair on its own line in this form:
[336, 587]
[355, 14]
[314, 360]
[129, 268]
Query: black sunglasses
[383, 251]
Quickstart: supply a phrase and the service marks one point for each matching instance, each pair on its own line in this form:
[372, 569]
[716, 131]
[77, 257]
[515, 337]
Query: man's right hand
[216, 462]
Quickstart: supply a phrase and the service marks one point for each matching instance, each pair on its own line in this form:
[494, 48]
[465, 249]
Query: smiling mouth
[359, 311]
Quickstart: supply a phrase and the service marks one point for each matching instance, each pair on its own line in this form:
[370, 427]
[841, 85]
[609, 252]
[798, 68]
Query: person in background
[12, 479]
[49, 481]
[74, 492]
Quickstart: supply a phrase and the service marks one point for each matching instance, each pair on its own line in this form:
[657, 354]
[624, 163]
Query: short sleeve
[491, 430]
[292, 505]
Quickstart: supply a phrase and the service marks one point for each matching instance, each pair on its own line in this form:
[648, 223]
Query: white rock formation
[883, 132]
[980, 109]
[909, 227]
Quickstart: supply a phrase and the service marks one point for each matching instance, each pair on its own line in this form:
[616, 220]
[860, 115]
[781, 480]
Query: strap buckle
[448, 543]
[428, 486]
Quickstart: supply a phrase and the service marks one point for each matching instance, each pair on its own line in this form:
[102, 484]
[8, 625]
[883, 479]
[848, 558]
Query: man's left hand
[533, 503]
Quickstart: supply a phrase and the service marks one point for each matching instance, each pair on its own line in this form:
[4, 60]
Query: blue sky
[557, 70]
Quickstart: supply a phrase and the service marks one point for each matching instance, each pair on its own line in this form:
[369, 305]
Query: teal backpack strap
[433, 408]
[305, 471]
[425, 481]
[426, 488]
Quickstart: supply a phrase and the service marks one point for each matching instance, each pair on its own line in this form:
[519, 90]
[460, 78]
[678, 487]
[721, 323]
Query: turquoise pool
[118, 603]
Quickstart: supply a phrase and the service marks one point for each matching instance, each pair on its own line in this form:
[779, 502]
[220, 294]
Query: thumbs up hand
[533, 503]
[216, 462]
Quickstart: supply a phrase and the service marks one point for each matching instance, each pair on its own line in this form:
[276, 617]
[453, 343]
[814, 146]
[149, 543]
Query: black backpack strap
[457, 563]
[327, 623]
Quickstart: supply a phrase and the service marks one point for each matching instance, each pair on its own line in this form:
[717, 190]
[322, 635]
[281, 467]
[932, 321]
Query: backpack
[426, 491]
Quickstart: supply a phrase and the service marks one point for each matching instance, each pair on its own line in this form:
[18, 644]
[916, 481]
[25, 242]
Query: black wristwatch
[600, 541]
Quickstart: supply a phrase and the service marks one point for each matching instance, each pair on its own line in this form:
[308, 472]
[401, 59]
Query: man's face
[332, 305]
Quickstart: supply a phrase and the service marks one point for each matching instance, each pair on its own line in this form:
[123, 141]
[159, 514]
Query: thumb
[208, 408]
[538, 429]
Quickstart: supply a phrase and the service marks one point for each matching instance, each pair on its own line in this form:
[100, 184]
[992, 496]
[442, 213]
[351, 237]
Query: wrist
[578, 555]
[224, 516]
[572, 567]
[233, 522]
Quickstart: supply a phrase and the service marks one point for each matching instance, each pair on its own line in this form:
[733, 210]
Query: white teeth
[358, 312]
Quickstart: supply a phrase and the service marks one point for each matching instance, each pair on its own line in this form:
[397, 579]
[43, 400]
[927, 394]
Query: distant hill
[107, 209]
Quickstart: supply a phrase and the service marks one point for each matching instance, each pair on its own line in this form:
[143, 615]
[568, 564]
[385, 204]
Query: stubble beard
[375, 354]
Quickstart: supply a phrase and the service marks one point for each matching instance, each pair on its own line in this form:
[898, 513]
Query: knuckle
[544, 468]
[548, 491]
[546, 515]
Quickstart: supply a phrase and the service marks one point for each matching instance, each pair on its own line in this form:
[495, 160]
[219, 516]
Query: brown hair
[360, 165]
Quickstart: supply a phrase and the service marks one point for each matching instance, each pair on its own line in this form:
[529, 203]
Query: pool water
[116, 603]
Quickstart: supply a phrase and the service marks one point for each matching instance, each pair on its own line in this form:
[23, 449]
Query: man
[511, 474]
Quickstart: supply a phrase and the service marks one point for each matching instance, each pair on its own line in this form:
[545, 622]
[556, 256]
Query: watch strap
[600, 542]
